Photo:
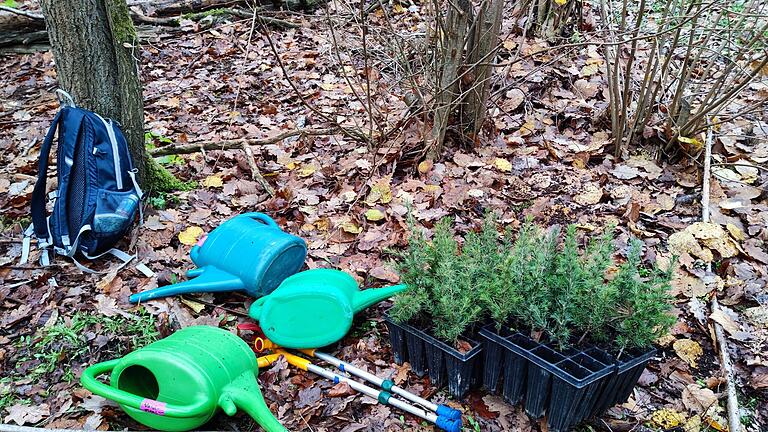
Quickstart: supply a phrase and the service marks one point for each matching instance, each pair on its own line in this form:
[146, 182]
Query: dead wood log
[239, 143]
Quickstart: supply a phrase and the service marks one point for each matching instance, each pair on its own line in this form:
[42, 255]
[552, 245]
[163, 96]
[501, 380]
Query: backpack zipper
[115, 153]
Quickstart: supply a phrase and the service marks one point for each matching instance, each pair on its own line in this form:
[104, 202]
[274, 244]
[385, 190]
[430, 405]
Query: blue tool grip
[446, 411]
[449, 425]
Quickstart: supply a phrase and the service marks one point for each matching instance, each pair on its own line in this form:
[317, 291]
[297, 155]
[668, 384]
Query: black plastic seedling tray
[568, 386]
[426, 354]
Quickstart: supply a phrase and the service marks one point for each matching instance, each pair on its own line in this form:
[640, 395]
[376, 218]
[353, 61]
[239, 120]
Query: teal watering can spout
[204, 279]
[246, 253]
[371, 296]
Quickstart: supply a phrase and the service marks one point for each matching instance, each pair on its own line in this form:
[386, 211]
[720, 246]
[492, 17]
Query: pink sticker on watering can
[202, 240]
[153, 406]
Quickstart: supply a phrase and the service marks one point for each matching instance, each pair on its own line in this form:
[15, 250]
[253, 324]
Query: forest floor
[544, 155]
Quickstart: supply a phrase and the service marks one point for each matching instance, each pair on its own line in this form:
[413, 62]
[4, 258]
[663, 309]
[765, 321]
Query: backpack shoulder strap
[71, 124]
[38, 194]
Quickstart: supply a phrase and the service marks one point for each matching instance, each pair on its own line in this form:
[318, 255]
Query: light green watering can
[314, 308]
[180, 382]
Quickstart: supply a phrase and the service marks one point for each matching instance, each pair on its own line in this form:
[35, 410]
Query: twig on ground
[734, 422]
[27, 14]
[238, 143]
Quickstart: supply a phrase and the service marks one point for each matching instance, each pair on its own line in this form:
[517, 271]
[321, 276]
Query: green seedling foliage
[530, 284]
[643, 301]
[595, 301]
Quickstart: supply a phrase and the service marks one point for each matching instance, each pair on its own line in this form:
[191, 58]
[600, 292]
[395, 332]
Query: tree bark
[448, 62]
[94, 48]
[485, 43]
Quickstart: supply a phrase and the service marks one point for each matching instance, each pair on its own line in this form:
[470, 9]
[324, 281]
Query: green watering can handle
[261, 217]
[89, 381]
[244, 393]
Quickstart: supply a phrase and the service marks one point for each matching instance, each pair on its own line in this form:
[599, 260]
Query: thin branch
[34, 16]
[238, 143]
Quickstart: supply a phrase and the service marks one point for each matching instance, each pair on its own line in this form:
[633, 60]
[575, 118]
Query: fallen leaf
[726, 322]
[502, 165]
[697, 399]
[190, 235]
[683, 242]
[351, 227]
[590, 195]
[213, 181]
[425, 166]
[688, 350]
[625, 172]
[385, 273]
[22, 414]
[307, 170]
[340, 389]
[667, 418]
[195, 306]
[374, 215]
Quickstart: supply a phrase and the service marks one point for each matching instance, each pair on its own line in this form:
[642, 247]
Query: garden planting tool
[386, 384]
[179, 383]
[246, 253]
[314, 308]
[383, 397]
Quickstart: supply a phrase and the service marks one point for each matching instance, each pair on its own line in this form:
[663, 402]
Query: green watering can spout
[244, 393]
[371, 296]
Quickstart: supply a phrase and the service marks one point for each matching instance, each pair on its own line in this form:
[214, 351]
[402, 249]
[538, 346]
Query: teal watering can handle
[261, 217]
[89, 381]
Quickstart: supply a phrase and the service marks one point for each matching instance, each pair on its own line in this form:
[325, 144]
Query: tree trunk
[548, 19]
[448, 62]
[94, 48]
[485, 43]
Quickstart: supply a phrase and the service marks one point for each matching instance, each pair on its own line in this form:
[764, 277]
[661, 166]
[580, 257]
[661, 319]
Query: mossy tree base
[159, 179]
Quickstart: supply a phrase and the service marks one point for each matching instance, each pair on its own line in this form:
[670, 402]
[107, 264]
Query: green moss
[194, 16]
[160, 179]
[120, 22]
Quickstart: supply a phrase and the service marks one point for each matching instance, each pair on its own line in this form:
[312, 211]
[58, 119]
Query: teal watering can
[180, 382]
[246, 253]
[314, 308]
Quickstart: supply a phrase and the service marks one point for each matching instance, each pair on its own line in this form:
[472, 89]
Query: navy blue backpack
[97, 197]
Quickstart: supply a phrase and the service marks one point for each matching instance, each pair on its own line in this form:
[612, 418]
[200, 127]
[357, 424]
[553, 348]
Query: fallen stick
[734, 423]
[239, 143]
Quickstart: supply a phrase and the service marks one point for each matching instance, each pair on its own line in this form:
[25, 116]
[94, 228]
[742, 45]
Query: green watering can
[180, 382]
[314, 308]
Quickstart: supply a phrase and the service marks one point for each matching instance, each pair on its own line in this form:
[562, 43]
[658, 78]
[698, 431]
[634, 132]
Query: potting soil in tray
[567, 386]
[428, 355]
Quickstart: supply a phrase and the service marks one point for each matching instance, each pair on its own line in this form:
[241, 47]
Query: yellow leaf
[380, 192]
[307, 170]
[351, 228]
[590, 69]
[425, 166]
[736, 232]
[667, 418]
[502, 165]
[213, 181]
[430, 188]
[688, 350]
[527, 128]
[509, 44]
[693, 142]
[195, 306]
[190, 235]
[398, 8]
[561, 2]
[374, 215]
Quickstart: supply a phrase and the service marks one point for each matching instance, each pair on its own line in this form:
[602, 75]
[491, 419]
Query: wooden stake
[734, 423]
